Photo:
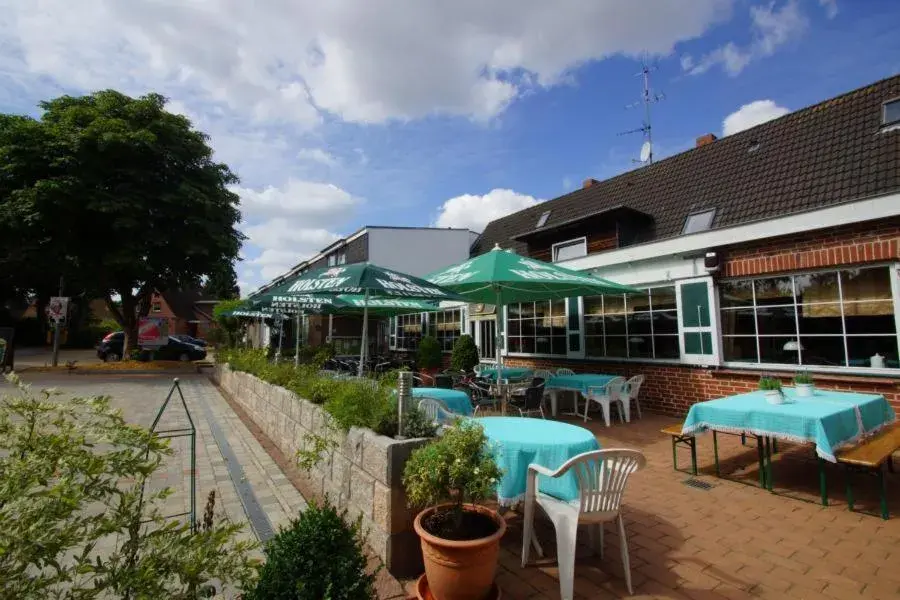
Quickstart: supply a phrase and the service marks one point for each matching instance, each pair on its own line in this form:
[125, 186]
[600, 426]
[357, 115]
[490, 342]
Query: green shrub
[358, 404]
[416, 424]
[803, 377]
[429, 355]
[465, 354]
[320, 390]
[320, 556]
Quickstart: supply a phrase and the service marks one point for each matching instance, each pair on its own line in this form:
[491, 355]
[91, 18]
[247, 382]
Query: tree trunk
[129, 325]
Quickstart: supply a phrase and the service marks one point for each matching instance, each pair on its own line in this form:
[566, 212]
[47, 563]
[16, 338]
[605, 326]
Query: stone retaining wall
[362, 475]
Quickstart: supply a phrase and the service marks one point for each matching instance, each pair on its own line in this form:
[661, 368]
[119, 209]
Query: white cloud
[831, 8]
[770, 27]
[318, 155]
[354, 59]
[475, 212]
[313, 204]
[751, 115]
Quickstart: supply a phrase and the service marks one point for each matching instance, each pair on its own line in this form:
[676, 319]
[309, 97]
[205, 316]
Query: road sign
[153, 331]
[58, 308]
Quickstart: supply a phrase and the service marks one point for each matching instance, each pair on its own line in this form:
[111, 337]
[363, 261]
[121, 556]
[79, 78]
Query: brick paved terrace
[734, 540]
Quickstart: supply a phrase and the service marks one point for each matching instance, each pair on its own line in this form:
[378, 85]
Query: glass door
[487, 339]
[697, 329]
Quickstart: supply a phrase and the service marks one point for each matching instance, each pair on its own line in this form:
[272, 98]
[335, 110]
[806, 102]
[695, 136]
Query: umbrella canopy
[367, 279]
[519, 279]
[501, 277]
[251, 314]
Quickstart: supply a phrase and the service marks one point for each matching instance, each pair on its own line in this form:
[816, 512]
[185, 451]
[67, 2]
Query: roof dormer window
[699, 221]
[542, 220]
[890, 113]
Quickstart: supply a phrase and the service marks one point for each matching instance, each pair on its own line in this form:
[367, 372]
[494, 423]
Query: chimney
[703, 140]
[588, 183]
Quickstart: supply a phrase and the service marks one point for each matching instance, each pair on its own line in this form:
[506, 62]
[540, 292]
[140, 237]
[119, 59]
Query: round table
[512, 373]
[456, 400]
[517, 442]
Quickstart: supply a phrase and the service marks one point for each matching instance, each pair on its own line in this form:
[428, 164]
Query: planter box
[363, 475]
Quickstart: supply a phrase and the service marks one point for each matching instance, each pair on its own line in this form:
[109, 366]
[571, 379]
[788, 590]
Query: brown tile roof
[825, 154]
[182, 303]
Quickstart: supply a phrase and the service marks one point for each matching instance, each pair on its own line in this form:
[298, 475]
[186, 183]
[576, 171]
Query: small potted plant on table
[460, 539]
[803, 381]
[771, 386]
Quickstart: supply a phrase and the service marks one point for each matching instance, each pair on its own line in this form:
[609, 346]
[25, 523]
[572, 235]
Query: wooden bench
[868, 457]
[679, 438]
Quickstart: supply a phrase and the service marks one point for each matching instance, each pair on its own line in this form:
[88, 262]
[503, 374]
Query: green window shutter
[574, 325]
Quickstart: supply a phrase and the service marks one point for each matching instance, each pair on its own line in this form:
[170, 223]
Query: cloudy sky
[344, 113]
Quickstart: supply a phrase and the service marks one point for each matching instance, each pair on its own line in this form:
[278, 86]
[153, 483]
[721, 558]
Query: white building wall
[418, 251]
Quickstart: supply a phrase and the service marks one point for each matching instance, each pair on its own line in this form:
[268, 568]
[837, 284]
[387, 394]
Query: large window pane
[824, 350]
[870, 317]
[615, 346]
[514, 343]
[666, 346]
[638, 302]
[820, 318]
[613, 304]
[593, 346]
[614, 324]
[733, 294]
[526, 310]
[593, 305]
[558, 344]
[817, 287]
[528, 328]
[639, 323]
[542, 345]
[866, 284]
[861, 349]
[593, 325]
[528, 345]
[740, 349]
[776, 290]
[778, 350]
[665, 322]
[663, 298]
[640, 346]
[542, 309]
[738, 321]
[774, 320]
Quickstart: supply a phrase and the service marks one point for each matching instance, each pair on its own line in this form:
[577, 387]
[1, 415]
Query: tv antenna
[648, 98]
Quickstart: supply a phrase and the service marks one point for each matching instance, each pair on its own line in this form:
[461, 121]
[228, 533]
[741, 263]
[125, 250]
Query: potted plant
[460, 539]
[429, 356]
[465, 354]
[771, 386]
[803, 381]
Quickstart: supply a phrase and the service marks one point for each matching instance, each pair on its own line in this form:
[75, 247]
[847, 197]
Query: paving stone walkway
[249, 485]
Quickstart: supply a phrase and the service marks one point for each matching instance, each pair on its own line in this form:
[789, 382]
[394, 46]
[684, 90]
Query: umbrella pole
[297, 342]
[365, 334]
[280, 339]
[499, 343]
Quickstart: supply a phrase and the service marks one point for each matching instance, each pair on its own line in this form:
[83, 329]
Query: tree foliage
[116, 194]
[222, 283]
[465, 354]
[76, 521]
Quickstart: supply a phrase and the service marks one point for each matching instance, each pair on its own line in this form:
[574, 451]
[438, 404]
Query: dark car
[189, 340]
[110, 349]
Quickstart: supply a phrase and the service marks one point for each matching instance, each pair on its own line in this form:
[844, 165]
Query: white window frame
[884, 105]
[703, 360]
[894, 270]
[582, 240]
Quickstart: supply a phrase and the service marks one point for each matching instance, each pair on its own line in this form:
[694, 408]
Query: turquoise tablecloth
[455, 400]
[828, 419]
[579, 383]
[517, 442]
[512, 373]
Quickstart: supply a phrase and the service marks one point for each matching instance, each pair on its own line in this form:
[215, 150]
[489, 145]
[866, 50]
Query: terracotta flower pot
[460, 570]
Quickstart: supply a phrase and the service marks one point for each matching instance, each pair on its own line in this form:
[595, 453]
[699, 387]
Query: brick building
[772, 250]
[188, 311]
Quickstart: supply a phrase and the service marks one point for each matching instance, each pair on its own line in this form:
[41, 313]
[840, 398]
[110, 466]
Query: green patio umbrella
[372, 282]
[500, 277]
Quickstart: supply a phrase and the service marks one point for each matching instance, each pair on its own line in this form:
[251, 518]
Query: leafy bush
[320, 556]
[320, 390]
[429, 355]
[59, 460]
[458, 468]
[358, 404]
[803, 377]
[416, 424]
[465, 354]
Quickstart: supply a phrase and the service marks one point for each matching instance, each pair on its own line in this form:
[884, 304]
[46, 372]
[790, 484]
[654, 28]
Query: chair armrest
[541, 470]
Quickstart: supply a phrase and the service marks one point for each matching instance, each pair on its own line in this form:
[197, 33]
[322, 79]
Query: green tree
[222, 283]
[465, 354]
[120, 194]
[76, 521]
[233, 327]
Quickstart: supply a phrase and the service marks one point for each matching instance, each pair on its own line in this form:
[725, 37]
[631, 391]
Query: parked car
[110, 349]
[190, 340]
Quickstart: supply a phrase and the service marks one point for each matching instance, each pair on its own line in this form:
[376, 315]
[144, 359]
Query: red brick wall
[176, 326]
[853, 244]
[672, 389]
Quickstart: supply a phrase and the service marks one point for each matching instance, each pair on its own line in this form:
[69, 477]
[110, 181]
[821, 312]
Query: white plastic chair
[602, 475]
[631, 391]
[604, 396]
[565, 372]
[436, 411]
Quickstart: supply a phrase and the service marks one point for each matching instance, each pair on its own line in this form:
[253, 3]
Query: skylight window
[700, 221]
[891, 112]
[543, 219]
